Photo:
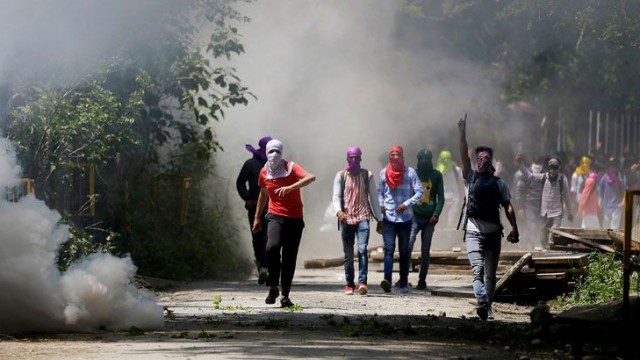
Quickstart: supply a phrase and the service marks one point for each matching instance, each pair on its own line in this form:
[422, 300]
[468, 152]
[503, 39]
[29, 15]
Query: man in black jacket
[248, 189]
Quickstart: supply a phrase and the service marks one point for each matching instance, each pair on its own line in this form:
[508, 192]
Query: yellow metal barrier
[25, 186]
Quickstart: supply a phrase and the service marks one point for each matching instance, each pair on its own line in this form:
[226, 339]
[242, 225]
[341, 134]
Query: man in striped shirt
[354, 193]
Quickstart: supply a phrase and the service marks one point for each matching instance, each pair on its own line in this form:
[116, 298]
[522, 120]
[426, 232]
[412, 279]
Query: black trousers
[283, 238]
[259, 238]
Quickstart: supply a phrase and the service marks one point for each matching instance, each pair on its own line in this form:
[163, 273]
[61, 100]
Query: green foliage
[159, 92]
[217, 299]
[295, 307]
[81, 244]
[553, 54]
[602, 283]
[202, 248]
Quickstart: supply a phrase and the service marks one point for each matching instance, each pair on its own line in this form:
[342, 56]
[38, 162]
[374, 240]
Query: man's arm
[381, 192]
[336, 199]
[514, 235]
[418, 191]
[416, 184]
[373, 198]
[464, 147]
[262, 201]
[440, 196]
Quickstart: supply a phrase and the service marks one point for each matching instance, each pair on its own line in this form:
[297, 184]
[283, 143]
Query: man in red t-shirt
[280, 182]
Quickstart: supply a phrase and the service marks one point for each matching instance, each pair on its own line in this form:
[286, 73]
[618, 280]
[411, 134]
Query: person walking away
[483, 229]
[555, 197]
[611, 189]
[426, 212]
[248, 189]
[399, 188]
[589, 208]
[354, 192]
[453, 188]
[280, 182]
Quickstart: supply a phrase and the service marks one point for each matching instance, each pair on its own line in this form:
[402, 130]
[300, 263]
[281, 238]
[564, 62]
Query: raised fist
[462, 124]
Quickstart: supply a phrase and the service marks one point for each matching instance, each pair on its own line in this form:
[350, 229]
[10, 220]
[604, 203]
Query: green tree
[149, 109]
[562, 56]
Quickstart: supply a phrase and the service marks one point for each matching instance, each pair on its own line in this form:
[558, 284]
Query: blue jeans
[349, 234]
[426, 229]
[483, 250]
[401, 230]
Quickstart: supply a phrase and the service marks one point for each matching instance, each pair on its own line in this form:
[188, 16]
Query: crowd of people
[406, 202]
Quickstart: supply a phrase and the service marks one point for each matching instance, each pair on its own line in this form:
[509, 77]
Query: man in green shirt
[426, 211]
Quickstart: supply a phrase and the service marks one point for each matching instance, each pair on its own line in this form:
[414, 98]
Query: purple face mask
[261, 152]
[354, 156]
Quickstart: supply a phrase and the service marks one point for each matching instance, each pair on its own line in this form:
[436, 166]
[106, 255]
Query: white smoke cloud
[93, 293]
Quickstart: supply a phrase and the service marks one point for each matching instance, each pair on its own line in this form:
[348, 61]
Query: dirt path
[229, 320]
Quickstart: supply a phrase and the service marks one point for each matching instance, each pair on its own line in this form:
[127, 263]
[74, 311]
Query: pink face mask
[354, 157]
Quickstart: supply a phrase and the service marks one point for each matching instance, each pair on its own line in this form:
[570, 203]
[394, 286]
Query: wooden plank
[453, 292]
[590, 243]
[552, 276]
[524, 260]
[592, 234]
[618, 238]
[323, 263]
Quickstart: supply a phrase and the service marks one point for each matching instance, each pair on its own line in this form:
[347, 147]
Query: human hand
[249, 204]
[257, 225]
[513, 236]
[283, 190]
[400, 209]
[434, 220]
[342, 217]
[462, 124]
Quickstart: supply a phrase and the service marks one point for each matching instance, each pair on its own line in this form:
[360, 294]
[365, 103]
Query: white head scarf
[275, 162]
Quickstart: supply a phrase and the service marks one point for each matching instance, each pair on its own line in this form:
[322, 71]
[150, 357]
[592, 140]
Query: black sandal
[285, 302]
[273, 295]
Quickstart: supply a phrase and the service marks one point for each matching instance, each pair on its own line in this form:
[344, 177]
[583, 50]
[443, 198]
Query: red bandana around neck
[395, 169]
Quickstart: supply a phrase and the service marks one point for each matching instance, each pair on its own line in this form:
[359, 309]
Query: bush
[602, 283]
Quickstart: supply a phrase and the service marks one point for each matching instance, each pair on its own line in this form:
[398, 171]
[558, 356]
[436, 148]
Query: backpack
[484, 199]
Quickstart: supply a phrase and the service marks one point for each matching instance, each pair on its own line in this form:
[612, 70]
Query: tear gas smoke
[95, 292]
[332, 74]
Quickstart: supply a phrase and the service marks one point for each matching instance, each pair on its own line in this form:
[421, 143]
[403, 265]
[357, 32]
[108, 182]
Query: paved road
[229, 320]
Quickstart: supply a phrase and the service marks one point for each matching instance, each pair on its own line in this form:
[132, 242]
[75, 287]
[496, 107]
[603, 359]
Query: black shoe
[273, 295]
[483, 311]
[385, 286]
[286, 303]
[262, 276]
[422, 285]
